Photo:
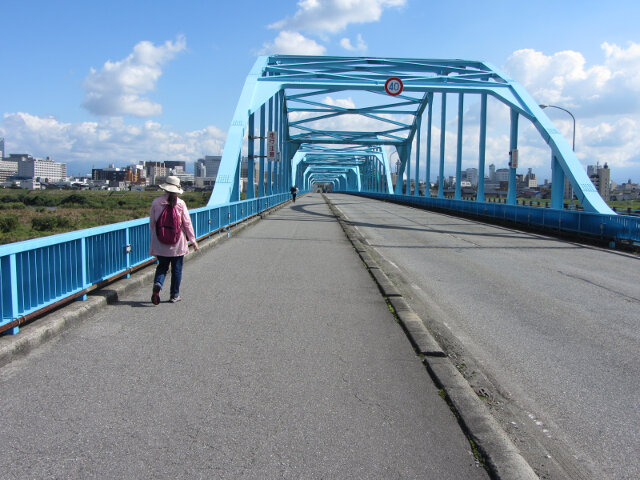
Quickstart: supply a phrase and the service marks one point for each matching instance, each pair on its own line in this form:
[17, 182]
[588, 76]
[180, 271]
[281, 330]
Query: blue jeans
[176, 273]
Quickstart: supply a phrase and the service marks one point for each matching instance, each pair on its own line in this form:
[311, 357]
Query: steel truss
[322, 139]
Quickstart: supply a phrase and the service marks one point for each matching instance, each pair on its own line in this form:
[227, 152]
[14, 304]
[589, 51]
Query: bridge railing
[607, 228]
[45, 272]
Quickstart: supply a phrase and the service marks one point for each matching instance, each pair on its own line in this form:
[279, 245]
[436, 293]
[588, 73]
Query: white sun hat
[172, 184]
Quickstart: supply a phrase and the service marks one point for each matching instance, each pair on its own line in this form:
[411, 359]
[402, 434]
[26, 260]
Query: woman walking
[169, 222]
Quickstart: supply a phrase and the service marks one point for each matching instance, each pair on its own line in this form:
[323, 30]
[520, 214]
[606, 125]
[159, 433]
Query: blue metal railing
[608, 228]
[39, 273]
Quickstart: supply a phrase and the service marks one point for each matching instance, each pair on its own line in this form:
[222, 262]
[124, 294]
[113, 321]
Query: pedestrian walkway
[281, 361]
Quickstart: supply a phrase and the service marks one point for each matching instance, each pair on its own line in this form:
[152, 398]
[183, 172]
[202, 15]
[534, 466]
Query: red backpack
[168, 228]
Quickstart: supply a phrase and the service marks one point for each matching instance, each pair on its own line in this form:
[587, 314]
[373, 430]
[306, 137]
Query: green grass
[26, 214]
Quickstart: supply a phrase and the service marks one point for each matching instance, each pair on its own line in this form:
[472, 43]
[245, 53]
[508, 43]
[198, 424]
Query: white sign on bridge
[271, 145]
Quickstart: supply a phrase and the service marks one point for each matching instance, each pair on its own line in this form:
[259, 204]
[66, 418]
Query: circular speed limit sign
[393, 86]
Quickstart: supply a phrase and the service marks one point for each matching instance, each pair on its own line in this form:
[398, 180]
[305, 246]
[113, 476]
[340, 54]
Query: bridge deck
[282, 361]
[552, 325]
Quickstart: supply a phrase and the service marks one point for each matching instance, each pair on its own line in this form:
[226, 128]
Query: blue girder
[314, 131]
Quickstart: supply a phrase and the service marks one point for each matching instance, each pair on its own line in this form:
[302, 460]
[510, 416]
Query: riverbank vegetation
[26, 214]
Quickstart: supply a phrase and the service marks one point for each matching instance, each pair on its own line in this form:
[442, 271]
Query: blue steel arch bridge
[320, 139]
[297, 128]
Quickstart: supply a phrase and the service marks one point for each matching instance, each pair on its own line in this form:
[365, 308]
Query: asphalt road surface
[282, 361]
[551, 328]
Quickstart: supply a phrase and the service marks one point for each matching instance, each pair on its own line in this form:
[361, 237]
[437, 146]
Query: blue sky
[91, 83]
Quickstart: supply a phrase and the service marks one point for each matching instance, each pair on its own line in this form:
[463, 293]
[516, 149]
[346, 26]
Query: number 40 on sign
[393, 86]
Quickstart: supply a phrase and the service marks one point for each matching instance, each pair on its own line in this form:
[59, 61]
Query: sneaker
[175, 299]
[155, 296]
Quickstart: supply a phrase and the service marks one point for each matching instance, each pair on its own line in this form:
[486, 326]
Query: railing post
[127, 250]
[83, 260]
[13, 269]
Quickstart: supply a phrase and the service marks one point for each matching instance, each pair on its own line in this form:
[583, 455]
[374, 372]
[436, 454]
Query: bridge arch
[313, 135]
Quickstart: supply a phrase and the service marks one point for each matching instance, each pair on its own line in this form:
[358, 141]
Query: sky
[93, 83]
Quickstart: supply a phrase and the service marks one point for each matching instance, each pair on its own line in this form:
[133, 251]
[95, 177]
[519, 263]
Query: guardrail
[611, 229]
[43, 273]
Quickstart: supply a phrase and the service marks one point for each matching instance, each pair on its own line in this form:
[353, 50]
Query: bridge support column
[429, 121]
[408, 170]
[443, 131]
[557, 184]
[261, 168]
[512, 192]
[417, 176]
[403, 154]
[458, 194]
[251, 189]
[482, 148]
[270, 163]
[235, 188]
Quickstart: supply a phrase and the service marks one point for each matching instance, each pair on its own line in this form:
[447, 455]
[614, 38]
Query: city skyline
[136, 81]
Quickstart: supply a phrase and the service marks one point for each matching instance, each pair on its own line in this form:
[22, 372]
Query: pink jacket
[181, 247]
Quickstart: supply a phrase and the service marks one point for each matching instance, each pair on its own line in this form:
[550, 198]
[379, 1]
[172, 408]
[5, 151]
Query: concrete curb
[502, 458]
[44, 329]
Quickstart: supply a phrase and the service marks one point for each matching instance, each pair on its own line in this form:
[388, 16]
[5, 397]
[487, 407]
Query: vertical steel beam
[270, 162]
[443, 130]
[513, 145]
[251, 189]
[278, 126]
[235, 188]
[557, 184]
[458, 194]
[483, 147]
[408, 170]
[429, 121]
[262, 152]
[417, 176]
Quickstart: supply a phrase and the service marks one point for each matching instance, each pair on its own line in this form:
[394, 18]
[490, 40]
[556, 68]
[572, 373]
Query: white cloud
[360, 46]
[332, 16]
[292, 43]
[604, 97]
[110, 141]
[564, 78]
[119, 87]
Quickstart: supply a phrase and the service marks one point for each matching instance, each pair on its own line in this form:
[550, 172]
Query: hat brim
[171, 188]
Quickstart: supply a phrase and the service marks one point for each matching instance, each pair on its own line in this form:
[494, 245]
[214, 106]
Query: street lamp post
[573, 144]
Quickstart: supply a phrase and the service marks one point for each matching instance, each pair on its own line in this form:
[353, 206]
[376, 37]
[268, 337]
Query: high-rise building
[110, 174]
[208, 166]
[472, 176]
[492, 173]
[530, 179]
[501, 175]
[601, 179]
[176, 165]
[1, 148]
[43, 170]
[7, 169]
